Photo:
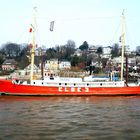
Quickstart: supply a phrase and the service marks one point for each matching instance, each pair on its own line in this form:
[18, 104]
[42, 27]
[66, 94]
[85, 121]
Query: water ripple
[69, 118]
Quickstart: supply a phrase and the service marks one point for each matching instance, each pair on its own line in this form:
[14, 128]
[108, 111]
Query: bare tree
[11, 50]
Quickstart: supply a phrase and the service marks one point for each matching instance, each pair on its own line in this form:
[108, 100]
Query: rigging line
[129, 39]
[38, 38]
[77, 18]
[24, 34]
[115, 33]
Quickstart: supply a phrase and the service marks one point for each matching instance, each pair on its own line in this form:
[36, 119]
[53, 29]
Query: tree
[65, 51]
[51, 53]
[24, 58]
[99, 50]
[71, 44]
[25, 50]
[70, 48]
[104, 62]
[1, 59]
[138, 50]
[74, 60]
[84, 46]
[11, 50]
[115, 50]
[18, 52]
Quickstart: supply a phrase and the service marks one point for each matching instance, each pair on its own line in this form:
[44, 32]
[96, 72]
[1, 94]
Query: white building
[131, 61]
[107, 52]
[28, 68]
[92, 49]
[64, 65]
[78, 52]
[52, 64]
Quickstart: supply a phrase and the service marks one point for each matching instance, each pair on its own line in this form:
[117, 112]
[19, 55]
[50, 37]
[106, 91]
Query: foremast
[123, 44]
[33, 46]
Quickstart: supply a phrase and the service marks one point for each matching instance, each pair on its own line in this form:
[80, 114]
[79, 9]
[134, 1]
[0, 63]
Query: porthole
[34, 83]
[59, 83]
[74, 84]
[101, 84]
[87, 84]
[65, 84]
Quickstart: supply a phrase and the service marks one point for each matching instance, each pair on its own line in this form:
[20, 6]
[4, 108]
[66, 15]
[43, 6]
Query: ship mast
[123, 44]
[33, 44]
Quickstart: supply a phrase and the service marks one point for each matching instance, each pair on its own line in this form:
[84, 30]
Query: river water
[69, 118]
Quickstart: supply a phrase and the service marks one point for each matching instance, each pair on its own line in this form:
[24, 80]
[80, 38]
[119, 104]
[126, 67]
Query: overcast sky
[96, 21]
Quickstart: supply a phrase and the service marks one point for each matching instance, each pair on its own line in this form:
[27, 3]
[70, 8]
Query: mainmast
[123, 44]
[33, 44]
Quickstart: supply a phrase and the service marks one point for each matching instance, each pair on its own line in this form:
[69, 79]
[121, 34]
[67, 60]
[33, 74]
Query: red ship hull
[8, 88]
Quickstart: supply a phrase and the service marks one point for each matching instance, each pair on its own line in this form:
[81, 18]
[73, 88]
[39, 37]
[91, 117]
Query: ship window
[59, 83]
[34, 83]
[74, 84]
[42, 83]
[65, 84]
[101, 84]
[87, 84]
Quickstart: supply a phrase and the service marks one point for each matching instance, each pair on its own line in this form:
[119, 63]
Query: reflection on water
[69, 118]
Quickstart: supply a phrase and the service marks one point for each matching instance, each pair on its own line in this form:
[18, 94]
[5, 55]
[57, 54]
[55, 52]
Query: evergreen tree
[84, 46]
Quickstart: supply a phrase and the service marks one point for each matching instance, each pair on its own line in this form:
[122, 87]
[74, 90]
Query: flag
[51, 25]
[31, 28]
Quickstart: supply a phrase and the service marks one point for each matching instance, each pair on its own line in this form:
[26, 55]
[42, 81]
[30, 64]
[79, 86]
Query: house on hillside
[9, 64]
[28, 68]
[51, 64]
[92, 50]
[78, 52]
[131, 61]
[107, 52]
[64, 65]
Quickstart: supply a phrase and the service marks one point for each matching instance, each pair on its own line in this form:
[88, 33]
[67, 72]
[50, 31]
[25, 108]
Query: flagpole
[33, 44]
[123, 44]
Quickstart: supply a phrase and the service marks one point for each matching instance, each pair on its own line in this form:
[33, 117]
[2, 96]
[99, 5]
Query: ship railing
[78, 84]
